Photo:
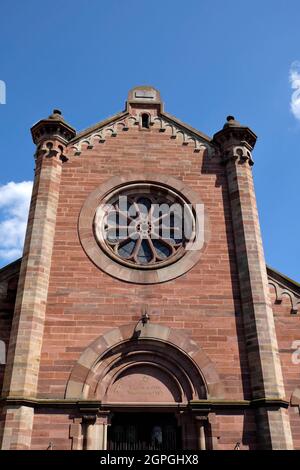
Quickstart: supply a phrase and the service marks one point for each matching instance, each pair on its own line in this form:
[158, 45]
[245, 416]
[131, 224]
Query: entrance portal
[144, 431]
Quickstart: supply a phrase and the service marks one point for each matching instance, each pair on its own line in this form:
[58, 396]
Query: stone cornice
[94, 405]
[52, 128]
[284, 280]
[235, 136]
[240, 404]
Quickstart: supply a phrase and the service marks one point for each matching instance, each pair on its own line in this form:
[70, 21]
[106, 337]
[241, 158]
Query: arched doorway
[144, 376]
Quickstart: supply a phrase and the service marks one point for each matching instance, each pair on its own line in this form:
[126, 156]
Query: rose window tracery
[144, 226]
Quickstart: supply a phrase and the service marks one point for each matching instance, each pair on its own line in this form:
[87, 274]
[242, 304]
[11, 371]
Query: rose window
[144, 225]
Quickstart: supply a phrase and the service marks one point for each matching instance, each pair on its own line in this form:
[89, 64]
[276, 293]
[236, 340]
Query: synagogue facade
[142, 314]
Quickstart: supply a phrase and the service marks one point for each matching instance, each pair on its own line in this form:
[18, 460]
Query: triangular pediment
[124, 121]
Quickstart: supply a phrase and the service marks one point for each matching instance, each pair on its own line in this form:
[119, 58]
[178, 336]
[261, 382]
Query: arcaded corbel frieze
[49, 149]
[101, 135]
[114, 129]
[281, 291]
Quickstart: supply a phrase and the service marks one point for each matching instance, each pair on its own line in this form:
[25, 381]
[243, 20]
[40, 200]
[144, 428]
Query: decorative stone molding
[281, 291]
[113, 267]
[79, 406]
[50, 149]
[160, 347]
[284, 287]
[163, 124]
[241, 153]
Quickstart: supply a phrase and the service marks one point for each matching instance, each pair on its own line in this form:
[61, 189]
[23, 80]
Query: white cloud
[295, 84]
[14, 206]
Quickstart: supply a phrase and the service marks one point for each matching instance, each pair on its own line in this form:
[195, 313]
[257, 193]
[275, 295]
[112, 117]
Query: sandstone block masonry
[88, 328]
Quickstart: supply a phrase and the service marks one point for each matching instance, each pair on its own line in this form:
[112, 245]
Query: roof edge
[98, 125]
[86, 132]
[10, 268]
[180, 123]
[283, 279]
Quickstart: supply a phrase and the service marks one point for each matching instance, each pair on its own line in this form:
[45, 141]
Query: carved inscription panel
[144, 384]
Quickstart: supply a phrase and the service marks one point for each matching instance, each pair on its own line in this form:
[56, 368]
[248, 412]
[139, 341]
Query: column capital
[89, 418]
[95, 416]
[103, 417]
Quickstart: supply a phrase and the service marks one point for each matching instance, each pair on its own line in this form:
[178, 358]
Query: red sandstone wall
[235, 428]
[288, 331]
[51, 429]
[84, 302]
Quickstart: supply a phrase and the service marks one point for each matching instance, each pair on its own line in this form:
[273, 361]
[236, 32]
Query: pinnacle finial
[56, 115]
[232, 122]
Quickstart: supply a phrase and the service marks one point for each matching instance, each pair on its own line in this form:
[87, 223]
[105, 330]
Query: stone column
[213, 430]
[90, 432]
[102, 423]
[236, 143]
[21, 373]
[96, 431]
[200, 427]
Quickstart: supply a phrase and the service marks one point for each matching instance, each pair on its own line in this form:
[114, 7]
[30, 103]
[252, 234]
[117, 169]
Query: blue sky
[208, 58]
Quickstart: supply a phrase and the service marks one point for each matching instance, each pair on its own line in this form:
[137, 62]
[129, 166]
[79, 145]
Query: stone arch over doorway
[144, 363]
